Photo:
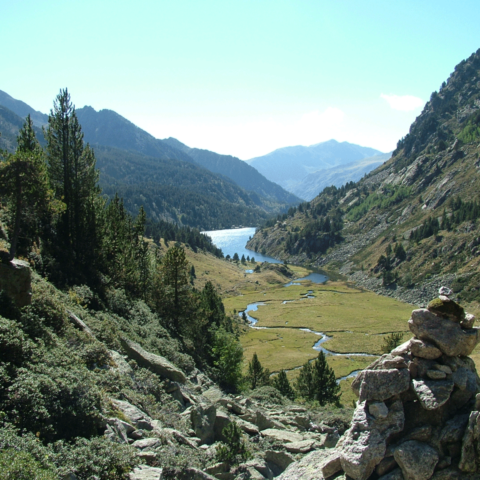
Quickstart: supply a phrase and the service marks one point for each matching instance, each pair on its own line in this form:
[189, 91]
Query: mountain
[412, 224]
[170, 189]
[110, 129]
[289, 165]
[22, 109]
[311, 185]
[237, 170]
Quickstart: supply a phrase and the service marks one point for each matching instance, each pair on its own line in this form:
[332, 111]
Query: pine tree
[317, 382]
[257, 375]
[281, 383]
[74, 180]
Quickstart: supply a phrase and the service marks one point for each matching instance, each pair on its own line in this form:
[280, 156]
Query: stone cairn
[417, 417]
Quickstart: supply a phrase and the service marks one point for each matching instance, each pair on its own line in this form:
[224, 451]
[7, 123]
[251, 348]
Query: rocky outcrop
[16, 281]
[157, 364]
[418, 415]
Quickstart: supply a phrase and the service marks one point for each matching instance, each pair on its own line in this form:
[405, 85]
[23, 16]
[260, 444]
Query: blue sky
[241, 77]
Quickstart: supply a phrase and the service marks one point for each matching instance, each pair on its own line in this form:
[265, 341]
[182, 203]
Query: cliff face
[413, 220]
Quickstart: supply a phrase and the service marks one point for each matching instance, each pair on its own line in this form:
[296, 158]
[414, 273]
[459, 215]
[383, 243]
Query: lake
[233, 240]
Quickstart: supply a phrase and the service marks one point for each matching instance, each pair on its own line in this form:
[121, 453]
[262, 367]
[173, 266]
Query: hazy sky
[241, 77]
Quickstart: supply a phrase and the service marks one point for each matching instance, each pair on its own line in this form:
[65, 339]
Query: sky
[240, 77]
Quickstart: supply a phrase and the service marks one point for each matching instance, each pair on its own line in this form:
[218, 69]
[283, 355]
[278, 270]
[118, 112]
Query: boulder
[381, 384]
[278, 461]
[144, 472]
[303, 446]
[203, 421]
[309, 467]
[136, 417]
[444, 307]
[446, 335]
[422, 349]
[365, 442]
[222, 420]
[432, 394]
[282, 436]
[16, 281]
[157, 364]
[471, 444]
[416, 459]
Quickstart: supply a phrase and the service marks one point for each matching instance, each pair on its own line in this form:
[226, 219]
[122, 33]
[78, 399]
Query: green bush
[96, 457]
[54, 402]
[15, 347]
[234, 449]
[15, 465]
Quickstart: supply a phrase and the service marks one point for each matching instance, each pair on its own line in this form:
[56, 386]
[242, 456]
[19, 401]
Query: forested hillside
[412, 222]
[240, 172]
[169, 184]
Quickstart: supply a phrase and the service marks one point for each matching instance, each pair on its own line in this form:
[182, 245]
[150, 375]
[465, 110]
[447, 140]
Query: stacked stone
[417, 417]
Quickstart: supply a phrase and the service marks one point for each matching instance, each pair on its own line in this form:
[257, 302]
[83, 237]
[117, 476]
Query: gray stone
[381, 384]
[137, 418]
[278, 461]
[330, 465]
[416, 459]
[448, 336]
[364, 443]
[436, 375]
[16, 281]
[260, 466]
[470, 444]
[423, 349]
[144, 472]
[222, 420]
[191, 473]
[460, 377]
[402, 349]
[454, 429]
[302, 446]
[146, 443]
[468, 321]
[203, 421]
[432, 393]
[387, 362]
[460, 398]
[308, 468]
[386, 465]
[122, 365]
[263, 421]
[157, 364]
[393, 475]
[378, 409]
[421, 433]
[282, 436]
[247, 427]
[121, 429]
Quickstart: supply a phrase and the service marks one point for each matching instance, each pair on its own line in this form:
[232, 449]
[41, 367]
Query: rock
[260, 466]
[432, 393]
[448, 336]
[445, 291]
[364, 443]
[203, 421]
[147, 456]
[471, 444]
[461, 397]
[122, 365]
[308, 467]
[263, 422]
[385, 466]
[330, 465]
[157, 364]
[454, 429]
[191, 473]
[222, 420]
[146, 443]
[247, 471]
[144, 472]
[137, 418]
[402, 349]
[393, 475]
[436, 375]
[387, 362]
[191, 442]
[423, 349]
[120, 429]
[282, 436]
[447, 308]
[303, 446]
[247, 427]
[380, 384]
[217, 468]
[378, 409]
[278, 461]
[416, 459]
[16, 281]
[421, 433]
[468, 321]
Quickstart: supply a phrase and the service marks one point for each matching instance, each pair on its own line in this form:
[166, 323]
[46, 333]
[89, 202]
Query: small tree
[281, 383]
[243, 260]
[257, 375]
[228, 357]
[234, 449]
[392, 341]
[317, 382]
[236, 258]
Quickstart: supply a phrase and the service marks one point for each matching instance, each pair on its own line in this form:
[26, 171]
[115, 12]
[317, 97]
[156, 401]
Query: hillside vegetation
[412, 224]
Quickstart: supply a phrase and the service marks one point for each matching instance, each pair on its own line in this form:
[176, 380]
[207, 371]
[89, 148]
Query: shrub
[15, 465]
[392, 341]
[15, 347]
[267, 394]
[234, 449]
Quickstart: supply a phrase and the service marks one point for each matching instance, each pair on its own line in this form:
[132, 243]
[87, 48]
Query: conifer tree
[281, 383]
[257, 375]
[73, 176]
